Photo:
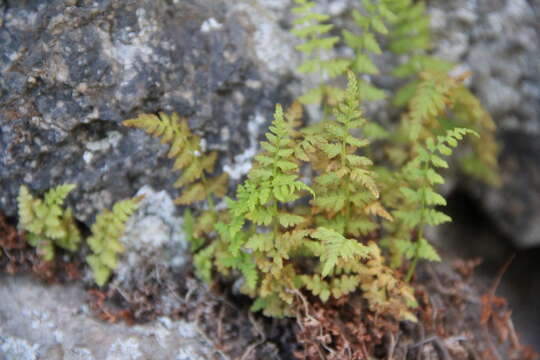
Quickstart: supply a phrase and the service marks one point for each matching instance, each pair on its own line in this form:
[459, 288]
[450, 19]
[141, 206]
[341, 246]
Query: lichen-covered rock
[53, 323]
[73, 70]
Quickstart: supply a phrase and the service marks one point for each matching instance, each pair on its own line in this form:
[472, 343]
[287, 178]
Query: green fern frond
[310, 27]
[47, 222]
[336, 248]
[185, 149]
[105, 241]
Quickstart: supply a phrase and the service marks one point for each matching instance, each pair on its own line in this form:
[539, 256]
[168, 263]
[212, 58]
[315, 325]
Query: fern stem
[209, 198]
[412, 268]
[420, 233]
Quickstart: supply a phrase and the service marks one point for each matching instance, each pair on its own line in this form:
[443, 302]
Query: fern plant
[419, 197]
[316, 214]
[105, 239]
[47, 223]
[274, 232]
[411, 36]
[364, 42]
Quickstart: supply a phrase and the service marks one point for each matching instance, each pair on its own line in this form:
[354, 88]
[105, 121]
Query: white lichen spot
[190, 352]
[210, 25]
[187, 330]
[242, 162]
[87, 157]
[275, 4]
[58, 336]
[79, 354]
[111, 141]
[16, 348]
[154, 231]
[337, 7]
[274, 47]
[125, 350]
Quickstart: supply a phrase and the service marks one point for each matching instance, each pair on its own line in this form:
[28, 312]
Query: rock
[53, 323]
[72, 73]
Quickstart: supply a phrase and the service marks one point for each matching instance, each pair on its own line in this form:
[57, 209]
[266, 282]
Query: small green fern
[47, 223]
[419, 197]
[105, 239]
[318, 212]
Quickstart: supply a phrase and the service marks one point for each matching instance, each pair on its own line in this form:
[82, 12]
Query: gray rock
[53, 323]
[71, 72]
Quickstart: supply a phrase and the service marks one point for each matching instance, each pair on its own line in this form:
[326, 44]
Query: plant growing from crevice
[318, 212]
[47, 224]
[401, 27]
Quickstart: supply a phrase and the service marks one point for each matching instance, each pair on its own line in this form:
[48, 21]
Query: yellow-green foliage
[188, 156]
[196, 166]
[105, 239]
[363, 41]
[318, 213]
[282, 247]
[419, 197]
[311, 27]
[405, 26]
[47, 223]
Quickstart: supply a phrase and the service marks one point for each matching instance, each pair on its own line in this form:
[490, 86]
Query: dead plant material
[496, 318]
[98, 304]
[342, 329]
[15, 254]
[466, 267]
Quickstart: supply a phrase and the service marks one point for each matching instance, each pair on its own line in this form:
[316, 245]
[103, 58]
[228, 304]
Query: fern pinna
[311, 27]
[47, 223]
[188, 156]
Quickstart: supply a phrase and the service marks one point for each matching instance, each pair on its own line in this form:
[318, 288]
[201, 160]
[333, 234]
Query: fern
[274, 232]
[105, 239]
[47, 223]
[419, 198]
[411, 36]
[188, 156]
[346, 188]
